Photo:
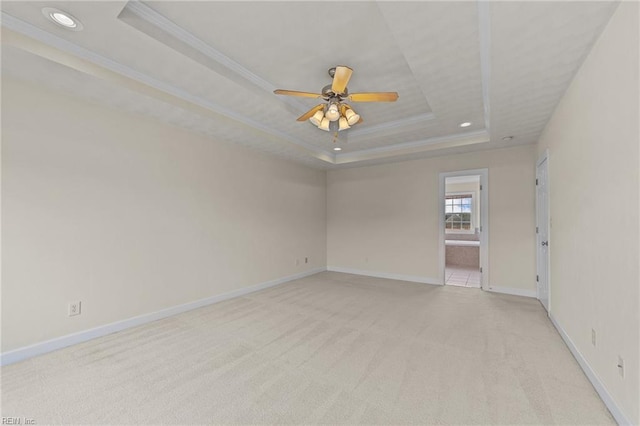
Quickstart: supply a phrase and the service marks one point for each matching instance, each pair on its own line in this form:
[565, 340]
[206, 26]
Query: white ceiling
[211, 67]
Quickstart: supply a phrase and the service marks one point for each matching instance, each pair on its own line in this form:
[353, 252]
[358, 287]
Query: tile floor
[462, 276]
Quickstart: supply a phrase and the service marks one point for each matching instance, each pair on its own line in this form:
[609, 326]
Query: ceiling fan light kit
[335, 94]
[324, 124]
[343, 124]
[332, 113]
[351, 116]
[317, 118]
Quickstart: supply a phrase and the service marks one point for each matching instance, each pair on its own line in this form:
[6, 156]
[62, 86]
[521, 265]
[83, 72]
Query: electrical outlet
[593, 337]
[75, 308]
[306, 260]
[620, 366]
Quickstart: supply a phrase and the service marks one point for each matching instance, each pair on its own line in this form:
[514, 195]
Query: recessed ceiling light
[337, 148]
[465, 124]
[507, 138]
[63, 19]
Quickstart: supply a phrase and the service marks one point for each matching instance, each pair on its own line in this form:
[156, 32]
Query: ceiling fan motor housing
[327, 93]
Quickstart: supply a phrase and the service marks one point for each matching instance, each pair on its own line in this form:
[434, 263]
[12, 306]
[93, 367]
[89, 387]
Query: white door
[542, 231]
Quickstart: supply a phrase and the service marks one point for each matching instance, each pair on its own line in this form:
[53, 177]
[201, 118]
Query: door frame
[484, 222]
[544, 157]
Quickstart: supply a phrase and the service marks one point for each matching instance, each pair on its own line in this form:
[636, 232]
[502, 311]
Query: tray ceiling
[211, 67]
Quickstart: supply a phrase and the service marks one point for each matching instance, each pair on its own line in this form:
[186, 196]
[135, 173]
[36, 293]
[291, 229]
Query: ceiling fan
[335, 109]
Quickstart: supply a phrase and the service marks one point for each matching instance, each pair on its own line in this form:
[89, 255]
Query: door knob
[545, 243]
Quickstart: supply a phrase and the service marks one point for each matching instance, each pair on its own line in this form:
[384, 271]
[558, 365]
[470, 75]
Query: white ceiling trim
[60, 50]
[392, 124]
[171, 29]
[50, 42]
[442, 142]
[484, 33]
[158, 20]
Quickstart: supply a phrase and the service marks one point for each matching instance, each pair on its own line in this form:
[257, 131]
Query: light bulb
[63, 19]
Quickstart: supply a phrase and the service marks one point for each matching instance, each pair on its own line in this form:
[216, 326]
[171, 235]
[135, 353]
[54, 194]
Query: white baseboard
[617, 413]
[412, 278]
[40, 348]
[513, 291]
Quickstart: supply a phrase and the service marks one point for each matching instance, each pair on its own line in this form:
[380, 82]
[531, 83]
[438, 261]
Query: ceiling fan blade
[296, 93]
[341, 78]
[307, 115]
[374, 97]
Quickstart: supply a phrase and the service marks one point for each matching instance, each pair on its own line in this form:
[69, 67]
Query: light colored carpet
[331, 348]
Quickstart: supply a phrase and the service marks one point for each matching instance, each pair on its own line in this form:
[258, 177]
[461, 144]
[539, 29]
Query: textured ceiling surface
[211, 67]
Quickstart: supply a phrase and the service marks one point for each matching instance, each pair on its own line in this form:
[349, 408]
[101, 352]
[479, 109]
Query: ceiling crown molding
[484, 27]
[154, 24]
[49, 46]
[42, 43]
[415, 119]
[430, 144]
[157, 26]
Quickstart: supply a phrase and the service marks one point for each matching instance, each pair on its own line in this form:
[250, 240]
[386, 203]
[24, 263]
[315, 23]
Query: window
[458, 211]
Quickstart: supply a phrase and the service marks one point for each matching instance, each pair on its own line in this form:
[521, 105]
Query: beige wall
[131, 216]
[384, 219]
[593, 141]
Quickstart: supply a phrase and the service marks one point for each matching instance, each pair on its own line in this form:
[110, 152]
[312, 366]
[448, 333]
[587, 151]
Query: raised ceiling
[211, 67]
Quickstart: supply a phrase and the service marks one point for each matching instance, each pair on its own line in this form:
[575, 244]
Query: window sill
[457, 231]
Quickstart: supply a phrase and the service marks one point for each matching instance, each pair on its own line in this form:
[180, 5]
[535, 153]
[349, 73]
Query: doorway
[542, 230]
[464, 228]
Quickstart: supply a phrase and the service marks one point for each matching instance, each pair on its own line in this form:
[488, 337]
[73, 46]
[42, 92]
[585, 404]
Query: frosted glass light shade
[343, 124]
[317, 118]
[332, 112]
[351, 116]
[324, 124]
